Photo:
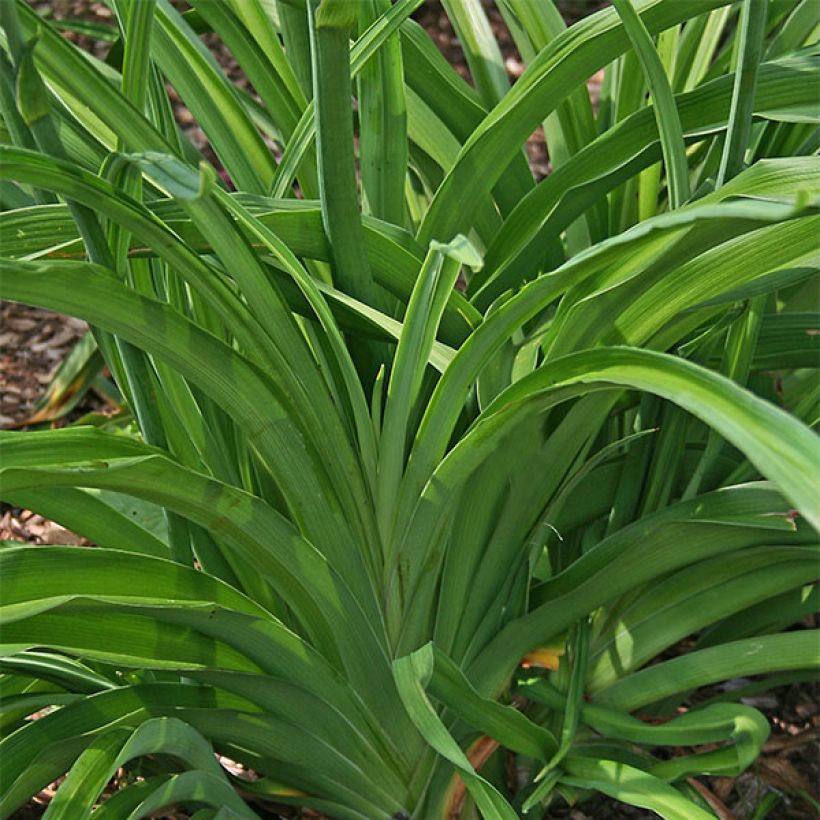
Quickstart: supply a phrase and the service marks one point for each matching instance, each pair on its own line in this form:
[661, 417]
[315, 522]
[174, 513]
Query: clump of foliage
[380, 492]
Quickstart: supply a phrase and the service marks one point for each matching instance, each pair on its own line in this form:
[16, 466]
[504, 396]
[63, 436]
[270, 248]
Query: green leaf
[424, 310]
[88, 92]
[412, 674]
[98, 519]
[615, 156]
[198, 786]
[110, 751]
[784, 450]
[699, 595]
[480, 49]
[633, 786]
[625, 561]
[565, 63]
[355, 460]
[213, 101]
[332, 92]
[377, 34]
[177, 180]
[312, 588]
[32, 100]
[666, 113]
[337, 14]
[752, 656]
[172, 337]
[745, 727]
[383, 148]
[752, 30]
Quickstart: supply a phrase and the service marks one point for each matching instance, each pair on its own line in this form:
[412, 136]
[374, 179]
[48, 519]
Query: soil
[34, 342]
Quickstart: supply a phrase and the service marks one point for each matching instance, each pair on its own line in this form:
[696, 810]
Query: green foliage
[356, 495]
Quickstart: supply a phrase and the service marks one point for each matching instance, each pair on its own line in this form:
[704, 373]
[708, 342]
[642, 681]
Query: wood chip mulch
[33, 344]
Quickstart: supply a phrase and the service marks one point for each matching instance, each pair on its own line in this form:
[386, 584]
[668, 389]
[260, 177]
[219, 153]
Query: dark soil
[33, 343]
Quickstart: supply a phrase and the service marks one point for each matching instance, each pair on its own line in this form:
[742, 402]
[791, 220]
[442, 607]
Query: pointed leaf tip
[460, 249]
[180, 180]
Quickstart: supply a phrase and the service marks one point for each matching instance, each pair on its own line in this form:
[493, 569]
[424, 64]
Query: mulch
[33, 343]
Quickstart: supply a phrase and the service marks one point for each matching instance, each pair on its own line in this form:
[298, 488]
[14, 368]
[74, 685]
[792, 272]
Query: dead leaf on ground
[781, 774]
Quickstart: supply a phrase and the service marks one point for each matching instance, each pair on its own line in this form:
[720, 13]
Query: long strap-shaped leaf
[323, 605]
[293, 368]
[98, 521]
[35, 109]
[782, 448]
[565, 63]
[199, 786]
[631, 785]
[742, 336]
[391, 251]
[666, 113]
[308, 286]
[382, 124]
[744, 726]
[299, 230]
[699, 41]
[95, 192]
[572, 125]
[84, 573]
[149, 403]
[100, 761]
[331, 23]
[258, 19]
[341, 721]
[69, 70]
[124, 585]
[424, 311]
[480, 49]
[214, 102]
[751, 656]
[702, 594]
[361, 52]
[576, 658]
[57, 669]
[34, 754]
[449, 396]
[458, 108]
[206, 361]
[332, 733]
[498, 723]
[641, 291]
[412, 674]
[256, 47]
[752, 30]
[625, 561]
[614, 157]
[283, 754]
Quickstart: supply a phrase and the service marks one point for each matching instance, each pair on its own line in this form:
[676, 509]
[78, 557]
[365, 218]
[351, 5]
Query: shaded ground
[33, 343]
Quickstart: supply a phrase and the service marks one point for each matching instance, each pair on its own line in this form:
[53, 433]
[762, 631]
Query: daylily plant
[431, 467]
